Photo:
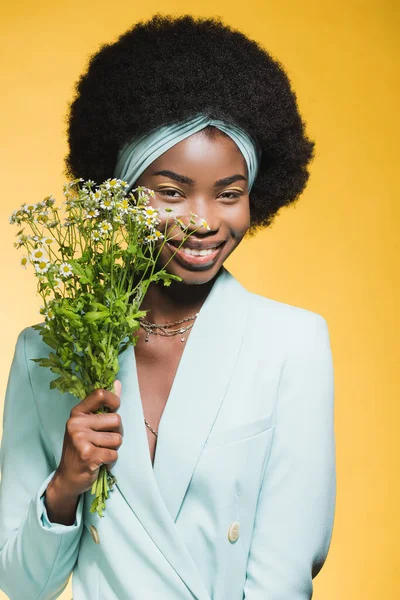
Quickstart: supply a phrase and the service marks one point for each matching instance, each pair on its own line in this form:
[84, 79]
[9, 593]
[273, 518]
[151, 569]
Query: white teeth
[193, 252]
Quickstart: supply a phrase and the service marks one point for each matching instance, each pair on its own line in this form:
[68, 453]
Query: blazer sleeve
[296, 504]
[36, 555]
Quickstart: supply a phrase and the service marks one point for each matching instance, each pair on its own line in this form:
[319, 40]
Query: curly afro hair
[167, 69]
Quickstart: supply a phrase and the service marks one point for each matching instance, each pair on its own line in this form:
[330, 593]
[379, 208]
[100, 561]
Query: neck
[176, 301]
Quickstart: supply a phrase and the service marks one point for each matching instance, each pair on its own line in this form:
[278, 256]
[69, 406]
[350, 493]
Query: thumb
[117, 387]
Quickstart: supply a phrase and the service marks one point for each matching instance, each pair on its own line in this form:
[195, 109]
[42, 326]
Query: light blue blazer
[240, 503]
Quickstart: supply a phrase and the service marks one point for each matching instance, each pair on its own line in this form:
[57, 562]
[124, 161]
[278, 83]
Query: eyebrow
[189, 181]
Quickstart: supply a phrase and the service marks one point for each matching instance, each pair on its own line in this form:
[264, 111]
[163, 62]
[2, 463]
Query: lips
[196, 245]
[192, 261]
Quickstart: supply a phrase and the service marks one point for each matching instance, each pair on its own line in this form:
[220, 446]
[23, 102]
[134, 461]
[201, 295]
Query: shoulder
[286, 326]
[295, 338]
[286, 317]
[278, 323]
[31, 343]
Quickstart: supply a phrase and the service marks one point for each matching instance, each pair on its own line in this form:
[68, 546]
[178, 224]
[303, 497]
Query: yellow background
[336, 252]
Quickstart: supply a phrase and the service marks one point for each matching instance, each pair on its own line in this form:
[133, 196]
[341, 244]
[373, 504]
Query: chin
[197, 277]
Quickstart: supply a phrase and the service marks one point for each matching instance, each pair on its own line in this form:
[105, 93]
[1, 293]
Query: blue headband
[138, 154]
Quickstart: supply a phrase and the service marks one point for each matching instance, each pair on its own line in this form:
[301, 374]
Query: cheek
[239, 222]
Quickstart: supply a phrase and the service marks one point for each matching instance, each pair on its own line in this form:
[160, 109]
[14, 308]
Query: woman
[225, 464]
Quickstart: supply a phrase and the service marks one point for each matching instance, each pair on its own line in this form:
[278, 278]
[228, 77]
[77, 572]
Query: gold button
[94, 534]
[234, 531]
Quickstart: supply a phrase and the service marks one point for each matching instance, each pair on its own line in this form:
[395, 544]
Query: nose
[207, 216]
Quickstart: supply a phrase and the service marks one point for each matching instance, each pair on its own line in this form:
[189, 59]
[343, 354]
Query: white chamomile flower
[74, 182]
[105, 227]
[42, 217]
[95, 236]
[24, 261]
[65, 269]
[149, 211]
[47, 241]
[140, 218]
[44, 240]
[96, 196]
[123, 205]
[179, 222]
[57, 282]
[28, 208]
[50, 314]
[115, 184]
[150, 238]
[21, 240]
[204, 223]
[150, 223]
[91, 213]
[46, 311]
[41, 266]
[39, 255]
[89, 183]
[41, 205]
[118, 219]
[49, 201]
[14, 216]
[107, 203]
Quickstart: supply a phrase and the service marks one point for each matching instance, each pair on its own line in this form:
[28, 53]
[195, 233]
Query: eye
[230, 195]
[169, 193]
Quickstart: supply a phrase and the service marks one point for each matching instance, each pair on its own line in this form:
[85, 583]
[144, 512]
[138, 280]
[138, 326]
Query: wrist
[61, 489]
[60, 503]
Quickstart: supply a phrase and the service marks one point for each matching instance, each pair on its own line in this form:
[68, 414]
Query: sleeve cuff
[44, 517]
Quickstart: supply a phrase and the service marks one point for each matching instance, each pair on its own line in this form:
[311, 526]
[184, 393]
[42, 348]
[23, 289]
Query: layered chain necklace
[165, 330]
[162, 328]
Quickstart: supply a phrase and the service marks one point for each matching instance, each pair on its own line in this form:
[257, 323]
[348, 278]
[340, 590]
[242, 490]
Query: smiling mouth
[197, 256]
[197, 247]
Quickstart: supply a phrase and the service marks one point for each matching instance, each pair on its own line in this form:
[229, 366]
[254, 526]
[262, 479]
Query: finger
[106, 456]
[117, 388]
[106, 439]
[95, 400]
[100, 422]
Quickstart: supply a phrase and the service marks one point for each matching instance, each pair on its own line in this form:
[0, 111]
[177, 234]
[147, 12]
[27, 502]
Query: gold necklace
[161, 328]
[151, 329]
[151, 429]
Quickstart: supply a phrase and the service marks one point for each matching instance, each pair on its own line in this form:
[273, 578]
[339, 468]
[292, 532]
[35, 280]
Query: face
[206, 176]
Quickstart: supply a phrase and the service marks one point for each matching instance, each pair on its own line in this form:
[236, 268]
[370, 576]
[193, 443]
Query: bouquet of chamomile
[93, 269]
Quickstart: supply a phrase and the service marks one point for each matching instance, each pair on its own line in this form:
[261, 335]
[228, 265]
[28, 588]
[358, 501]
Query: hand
[90, 440]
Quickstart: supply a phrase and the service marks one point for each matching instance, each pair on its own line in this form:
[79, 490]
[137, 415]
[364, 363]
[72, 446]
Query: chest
[157, 362]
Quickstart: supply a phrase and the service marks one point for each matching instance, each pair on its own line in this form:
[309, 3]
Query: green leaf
[131, 249]
[165, 277]
[93, 316]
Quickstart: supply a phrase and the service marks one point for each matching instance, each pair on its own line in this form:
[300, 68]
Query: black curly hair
[169, 68]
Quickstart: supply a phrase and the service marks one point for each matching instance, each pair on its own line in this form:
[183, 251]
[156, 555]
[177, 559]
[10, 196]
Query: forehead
[205, 154]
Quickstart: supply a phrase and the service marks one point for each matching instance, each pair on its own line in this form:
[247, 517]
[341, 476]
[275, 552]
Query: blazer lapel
[155, 495]
[198, 390]
[138, 486]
